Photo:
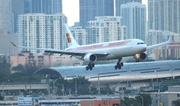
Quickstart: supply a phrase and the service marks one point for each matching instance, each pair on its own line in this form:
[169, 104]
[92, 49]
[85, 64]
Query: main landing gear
[119, 64]
[90, 66]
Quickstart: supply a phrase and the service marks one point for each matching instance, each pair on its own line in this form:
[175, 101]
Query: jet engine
[90, 57]
[140, 57]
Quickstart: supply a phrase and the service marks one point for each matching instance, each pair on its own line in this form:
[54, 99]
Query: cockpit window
[140, 43]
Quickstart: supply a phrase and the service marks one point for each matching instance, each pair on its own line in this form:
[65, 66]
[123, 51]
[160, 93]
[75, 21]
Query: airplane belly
[121, 52]
[127, 51]
[135, 50]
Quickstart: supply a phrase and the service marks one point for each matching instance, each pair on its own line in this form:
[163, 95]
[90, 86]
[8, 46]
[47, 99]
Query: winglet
[14, 44]
[170, 40]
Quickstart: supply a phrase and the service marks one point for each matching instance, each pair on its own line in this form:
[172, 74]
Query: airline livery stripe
[101, 46]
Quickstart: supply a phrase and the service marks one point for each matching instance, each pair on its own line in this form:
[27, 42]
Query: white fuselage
[115, 49]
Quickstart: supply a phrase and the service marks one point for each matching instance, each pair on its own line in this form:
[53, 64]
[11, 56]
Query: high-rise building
[46, 6]
[42, 31]
[134, 18]
[105, 29]
[35, 6]
[104, 7]
[164, 15]
[6, 47]
[18, 7]
[6, 16]
[120, 2]
[79, 34]
[87, 11]
[91, 8]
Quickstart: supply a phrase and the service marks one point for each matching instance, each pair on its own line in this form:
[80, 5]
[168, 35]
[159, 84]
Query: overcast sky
[71, 10]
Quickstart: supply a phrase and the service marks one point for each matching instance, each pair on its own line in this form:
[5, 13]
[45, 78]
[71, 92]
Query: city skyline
[72, 13]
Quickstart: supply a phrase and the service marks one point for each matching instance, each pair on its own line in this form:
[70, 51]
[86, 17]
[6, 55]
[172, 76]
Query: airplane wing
[66, 52]
[159, 45]
[74, 53]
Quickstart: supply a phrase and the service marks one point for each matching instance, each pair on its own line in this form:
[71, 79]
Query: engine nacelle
[90, 57]
[140, 57]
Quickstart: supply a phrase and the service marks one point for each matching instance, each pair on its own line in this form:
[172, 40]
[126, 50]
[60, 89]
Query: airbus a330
[103, 51]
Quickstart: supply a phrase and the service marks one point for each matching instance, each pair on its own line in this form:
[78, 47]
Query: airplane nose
[145, 46]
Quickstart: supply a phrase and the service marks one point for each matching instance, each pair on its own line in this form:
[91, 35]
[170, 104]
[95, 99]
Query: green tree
[25, 73]
[146, 99]
[81, 83]
[19, 67]
[176, 103]
[63, 86]
[30, 68]
[23, 77]
[129, 102]
[106, 90]
[5, 68]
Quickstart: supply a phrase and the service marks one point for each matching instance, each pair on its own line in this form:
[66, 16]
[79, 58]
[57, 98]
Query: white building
[42, 31]
[105, 29]
[134, 18]
[79, 34]
[164, 15]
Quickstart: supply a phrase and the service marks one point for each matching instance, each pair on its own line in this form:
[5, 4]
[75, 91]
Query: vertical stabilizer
[69, 37]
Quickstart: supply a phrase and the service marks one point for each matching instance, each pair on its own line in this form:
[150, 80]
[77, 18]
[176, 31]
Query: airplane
[103, 51]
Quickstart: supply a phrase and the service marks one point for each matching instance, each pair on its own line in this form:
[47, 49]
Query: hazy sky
[71, 10]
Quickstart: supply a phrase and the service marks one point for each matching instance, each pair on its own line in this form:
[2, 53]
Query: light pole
[3, 87]
[142, 100]
[171, 75]
[159, 90]
[75, 87]
[90, 89]
[54, 85]
[156, 76]
[98, 85]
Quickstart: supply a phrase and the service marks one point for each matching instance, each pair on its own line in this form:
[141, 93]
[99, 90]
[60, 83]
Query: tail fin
[70, 39]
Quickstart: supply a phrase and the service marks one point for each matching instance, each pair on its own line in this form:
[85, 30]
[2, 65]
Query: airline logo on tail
[68, 37]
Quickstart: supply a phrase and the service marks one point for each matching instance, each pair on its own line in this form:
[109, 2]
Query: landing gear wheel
[90, 66]
[119, 64]
[87, 68]
[115, 67]
[122, 64]
[119, 67]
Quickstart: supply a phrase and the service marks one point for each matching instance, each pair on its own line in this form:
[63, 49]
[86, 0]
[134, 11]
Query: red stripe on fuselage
[102, 46]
